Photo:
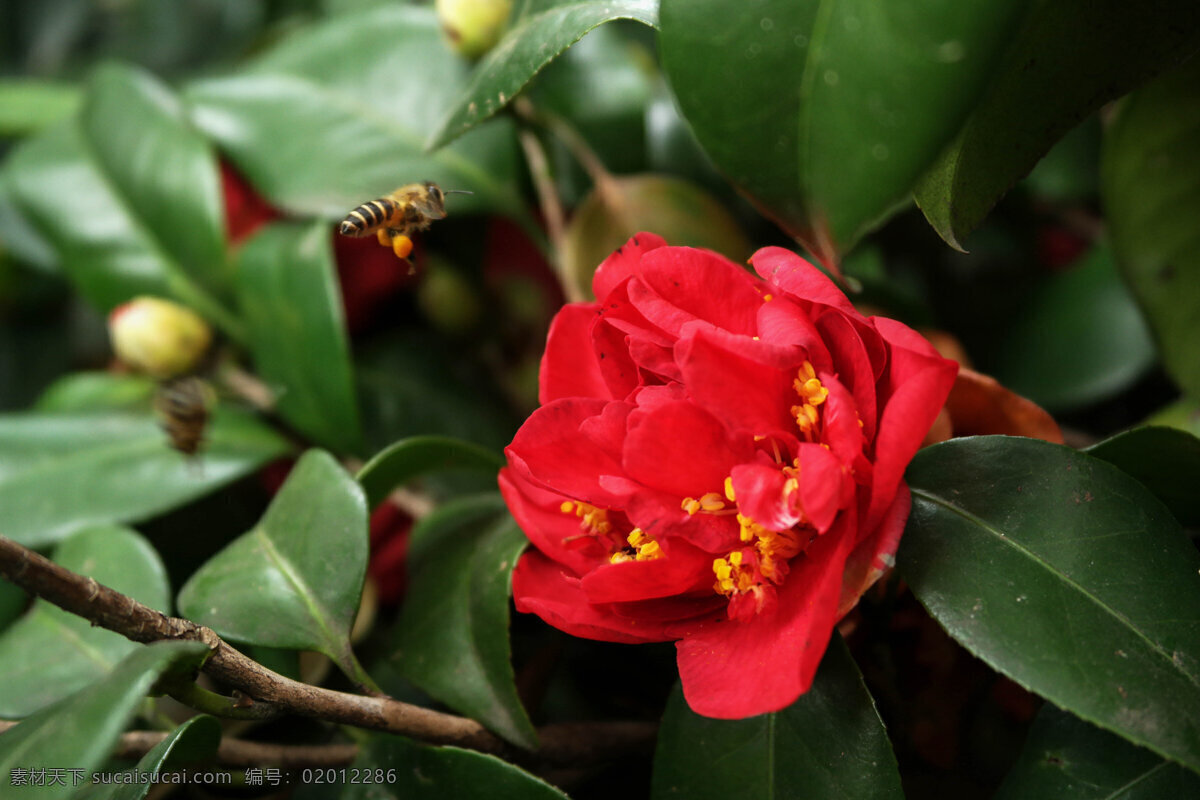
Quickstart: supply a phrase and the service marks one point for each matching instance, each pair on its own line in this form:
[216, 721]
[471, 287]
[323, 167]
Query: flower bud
[473, 26]
[158, 337]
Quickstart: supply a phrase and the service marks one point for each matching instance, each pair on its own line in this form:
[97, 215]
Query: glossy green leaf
[96, 391]
[1151, 188]
[296, 578]
[1066, 575]
[80, 732]
[679, 211]
[410, 771]
[830, 743]
[1057, 70]
[452, 641]
[421, 455]
[288, 290]
[538, 34]
[163, 170]
[27, 106]
[1078, 338]
[62, 471]
[337, 114]
[1165, 460]
[1183, 414]
[50, 653]
[826, 113]
[196, 739]
[120, 225]
[1066, 757]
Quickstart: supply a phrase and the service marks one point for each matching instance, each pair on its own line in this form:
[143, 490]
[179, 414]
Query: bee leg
[402, 246]
[383, 237]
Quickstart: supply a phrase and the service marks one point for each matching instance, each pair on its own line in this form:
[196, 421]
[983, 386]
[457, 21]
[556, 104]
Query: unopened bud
[473, 26]
[158, 337]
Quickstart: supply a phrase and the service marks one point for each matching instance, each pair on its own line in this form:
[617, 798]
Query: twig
[240, 753]
[85, 597]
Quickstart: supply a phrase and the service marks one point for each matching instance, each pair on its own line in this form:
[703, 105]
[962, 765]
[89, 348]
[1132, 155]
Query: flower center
[641, 548]
[593, 521]
[812, 393]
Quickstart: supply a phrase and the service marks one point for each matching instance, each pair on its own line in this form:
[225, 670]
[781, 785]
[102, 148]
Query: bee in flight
[393, 218]
[183, 406]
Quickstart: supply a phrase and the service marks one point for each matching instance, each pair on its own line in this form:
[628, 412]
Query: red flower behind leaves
[718, 460]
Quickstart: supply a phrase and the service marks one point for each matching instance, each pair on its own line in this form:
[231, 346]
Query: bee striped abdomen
[368, 217]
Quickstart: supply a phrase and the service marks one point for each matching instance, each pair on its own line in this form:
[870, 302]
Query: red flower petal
[852, 362]
[797, 277]
[698, 284]
[875, 554]
[682, 450]
[551, 530]
[825, 485]
[734, 670]
[569, 367]
[625, 261]
[684, 570]
[542, 587]
[761, 495]
[782, 322]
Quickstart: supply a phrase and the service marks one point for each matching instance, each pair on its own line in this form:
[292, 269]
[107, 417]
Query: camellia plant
[648, 398]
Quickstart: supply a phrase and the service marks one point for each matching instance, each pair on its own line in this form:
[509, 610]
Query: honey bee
[393, 218]
[183, 406]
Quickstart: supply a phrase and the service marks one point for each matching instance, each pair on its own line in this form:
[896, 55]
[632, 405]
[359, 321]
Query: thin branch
[85, 597]
[238, 752]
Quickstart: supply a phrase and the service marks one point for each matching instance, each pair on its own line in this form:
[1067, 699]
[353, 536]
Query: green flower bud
[473, 26]
[158, 337]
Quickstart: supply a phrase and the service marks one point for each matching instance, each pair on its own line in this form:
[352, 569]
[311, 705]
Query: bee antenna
[457, 191]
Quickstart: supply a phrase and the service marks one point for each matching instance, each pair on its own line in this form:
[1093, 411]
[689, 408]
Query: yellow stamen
[591, 519]
[729, 489]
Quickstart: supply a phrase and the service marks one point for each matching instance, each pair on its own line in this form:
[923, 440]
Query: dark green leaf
[27, 106]
[194, 740]
[534, 40]
[1183, 414]
[1078, 338]
[1057, 70]
[828, 744]
[50, 653]
[60, 472]
[288, 290]
[95, 391]
[1066, 757]
[295, 580]
[410, 771]
[79, 733]
[826, 113]
[1165, 460]
[162, 169]
[1151, 187]
[98, 229]
[420, 455]
[1068, 576]
[352, 100]
[452, 641]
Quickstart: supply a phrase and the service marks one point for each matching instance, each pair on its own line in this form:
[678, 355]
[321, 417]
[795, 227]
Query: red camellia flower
[718, 460]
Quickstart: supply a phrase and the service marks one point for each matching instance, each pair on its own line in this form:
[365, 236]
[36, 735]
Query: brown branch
[240, 753]
[83, 596]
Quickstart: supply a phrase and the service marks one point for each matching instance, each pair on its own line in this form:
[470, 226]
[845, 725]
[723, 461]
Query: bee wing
[428, 208]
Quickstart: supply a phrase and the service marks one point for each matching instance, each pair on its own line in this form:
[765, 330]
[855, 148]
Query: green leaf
[1066, 575]
[535, 38]
[95, 391]
[50, 653]
[107, 204]
[1183, 414]
[675, 209]
[1165, 460]
[296, 578]
[420, 455]
[830, 743]
[452, 641]
[1150, 181]
[353, 99]
[196, 739]
[162, 168]
[80, 732]
[1066, 757]
[288, 290]
[410, 771]
[826, 113]
[1079, 338]
[60, 472]
[1057, 70]
[27, 106]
